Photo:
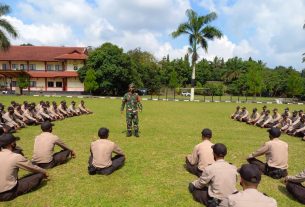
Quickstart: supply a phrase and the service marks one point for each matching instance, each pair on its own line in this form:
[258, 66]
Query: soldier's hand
[73, 155]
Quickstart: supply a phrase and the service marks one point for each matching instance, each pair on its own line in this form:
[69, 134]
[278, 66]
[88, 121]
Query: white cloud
[54, 34]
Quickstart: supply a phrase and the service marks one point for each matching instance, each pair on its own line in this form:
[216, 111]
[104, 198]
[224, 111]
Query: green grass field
[153, 174]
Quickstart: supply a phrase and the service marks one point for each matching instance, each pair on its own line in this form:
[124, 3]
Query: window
[75, 67]
[58, 84]
[58, 67]
[4, 66]
[23, 66]
[15, 66]
[49, 67]
[32, 67]
[14, 83]
[51, 84]
[32, 83]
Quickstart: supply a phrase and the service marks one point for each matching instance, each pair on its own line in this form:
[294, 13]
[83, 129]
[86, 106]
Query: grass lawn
[153, 174]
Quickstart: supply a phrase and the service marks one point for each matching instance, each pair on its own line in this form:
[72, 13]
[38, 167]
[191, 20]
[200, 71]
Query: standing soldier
[133, 105]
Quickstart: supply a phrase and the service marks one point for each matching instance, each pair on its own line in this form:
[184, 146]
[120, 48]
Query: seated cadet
[34, 112]
[264, 110]
[43, 112]
[44, 147]
[100, 160]
[294, 186]
[54, 110]
[72, 110]
[217, 181]
[254, 117]
[18, 113]
[284, 124]
[286, 112]
[202, 154]
[295, 117]
[10, 185]
[27, 116]
[11, 120]
[236, 113]
[298, 129]
[276, 117]
[5, 127]
[16, 149]
[62, 109]
[243, 115]
[265, 119]
[83, 109]
[51, 112]
[24, 106]
[276, 152]
[250, 177]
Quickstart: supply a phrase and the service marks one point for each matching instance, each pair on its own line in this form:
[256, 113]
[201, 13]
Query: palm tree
[199, 32]
[5, 27]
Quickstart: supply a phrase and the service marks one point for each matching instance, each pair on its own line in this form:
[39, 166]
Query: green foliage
[295, 84]
[23, 81]
[90, 81]
[173, 81]
[6, 28]
[254, 78]
[214, 88]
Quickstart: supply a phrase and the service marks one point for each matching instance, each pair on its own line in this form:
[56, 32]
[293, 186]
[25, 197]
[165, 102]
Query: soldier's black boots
[136, 133]
[128, 133]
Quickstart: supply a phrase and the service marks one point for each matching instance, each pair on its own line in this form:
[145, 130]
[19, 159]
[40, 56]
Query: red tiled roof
[51, 74]
[41, 53]
[72, 56]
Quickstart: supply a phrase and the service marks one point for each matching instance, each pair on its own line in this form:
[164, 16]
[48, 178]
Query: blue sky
[268, 30]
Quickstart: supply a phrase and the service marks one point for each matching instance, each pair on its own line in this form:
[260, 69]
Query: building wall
[74, 63]
[74, 84]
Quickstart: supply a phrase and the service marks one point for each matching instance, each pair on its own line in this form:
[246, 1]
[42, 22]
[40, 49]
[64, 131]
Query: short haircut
[206, 133]
[103, 133]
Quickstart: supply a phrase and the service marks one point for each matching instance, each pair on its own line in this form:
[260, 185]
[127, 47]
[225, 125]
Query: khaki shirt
[43, 113]
[10, 163]
[9, 119]
[44, 147]
[72, 109]
[82, 108]
[276, 117]
[220, 178]
[299, 178]
[248, 198]
[254, 116]
[202, 154]
[61, 109]
[102, 151]
[276, 152]
[27, 115]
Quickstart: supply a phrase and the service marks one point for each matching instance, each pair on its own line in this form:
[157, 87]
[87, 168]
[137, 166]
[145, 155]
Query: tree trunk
[193, 82]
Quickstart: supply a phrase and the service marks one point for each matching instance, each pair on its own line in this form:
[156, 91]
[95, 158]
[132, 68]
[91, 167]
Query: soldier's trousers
[117, 162]
[273, 172]
[58, 159]
[202, 196]
[297, 190]
[24, 185]
[192, 168]
[132, 118]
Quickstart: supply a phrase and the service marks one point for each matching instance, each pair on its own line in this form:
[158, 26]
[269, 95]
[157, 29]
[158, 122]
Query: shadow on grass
[283, 190]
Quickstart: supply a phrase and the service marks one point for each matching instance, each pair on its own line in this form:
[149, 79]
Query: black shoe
[136, 133]
[128, 134]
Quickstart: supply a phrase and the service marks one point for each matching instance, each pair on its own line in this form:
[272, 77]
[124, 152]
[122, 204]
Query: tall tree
[199, 32]
[6, 28]
[295, 84]
[90, 81]
[23, 81]
[255, 81]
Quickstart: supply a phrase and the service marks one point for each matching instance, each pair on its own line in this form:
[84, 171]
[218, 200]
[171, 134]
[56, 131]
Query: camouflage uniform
[133, 105]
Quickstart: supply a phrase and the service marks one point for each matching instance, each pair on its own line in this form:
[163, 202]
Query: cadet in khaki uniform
[217, 181]
[264, 120]
[100, 160]
[72, 110]
[243, 116]
[297, 129]
[44, 146]
[83, 109]
[202, 154]
[27, 116]
[10, 185]
[276, 152]
[10, 119]
[294, 186]
[254, 117]
[284, 124]
[276, 117]
[236, 113]
[250, 196]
